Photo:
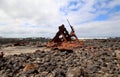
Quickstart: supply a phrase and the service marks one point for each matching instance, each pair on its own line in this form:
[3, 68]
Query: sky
[41, 18]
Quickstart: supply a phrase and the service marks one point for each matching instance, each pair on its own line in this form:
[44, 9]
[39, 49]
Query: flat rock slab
[20, 49]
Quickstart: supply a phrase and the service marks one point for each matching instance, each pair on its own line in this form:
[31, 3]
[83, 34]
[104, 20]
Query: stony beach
[97, 58]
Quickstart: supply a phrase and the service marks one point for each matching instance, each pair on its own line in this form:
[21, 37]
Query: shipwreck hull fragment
[64, 41]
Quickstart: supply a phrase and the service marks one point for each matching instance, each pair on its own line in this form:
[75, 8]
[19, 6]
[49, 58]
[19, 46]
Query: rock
[93, 68]
[106, 75]
[58, 73]
[50, 75]
[47, 49]
[44, 74]
[37, 51]
[114, 54]
[1, 54]
[74, 72]
[118, 65]
[117, 52]
[30, 68]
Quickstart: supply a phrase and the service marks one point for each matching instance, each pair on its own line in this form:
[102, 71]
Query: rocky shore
[98, 58]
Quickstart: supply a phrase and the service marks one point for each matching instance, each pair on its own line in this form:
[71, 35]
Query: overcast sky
[41, 18]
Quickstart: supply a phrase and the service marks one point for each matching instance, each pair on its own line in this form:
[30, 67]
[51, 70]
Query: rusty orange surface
[64, 41]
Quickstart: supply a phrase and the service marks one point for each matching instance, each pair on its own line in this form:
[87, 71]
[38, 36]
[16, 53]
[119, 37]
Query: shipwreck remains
[64, 40]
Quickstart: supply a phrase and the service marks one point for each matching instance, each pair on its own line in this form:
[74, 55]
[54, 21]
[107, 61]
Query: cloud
[23, 18]
[99, 29]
